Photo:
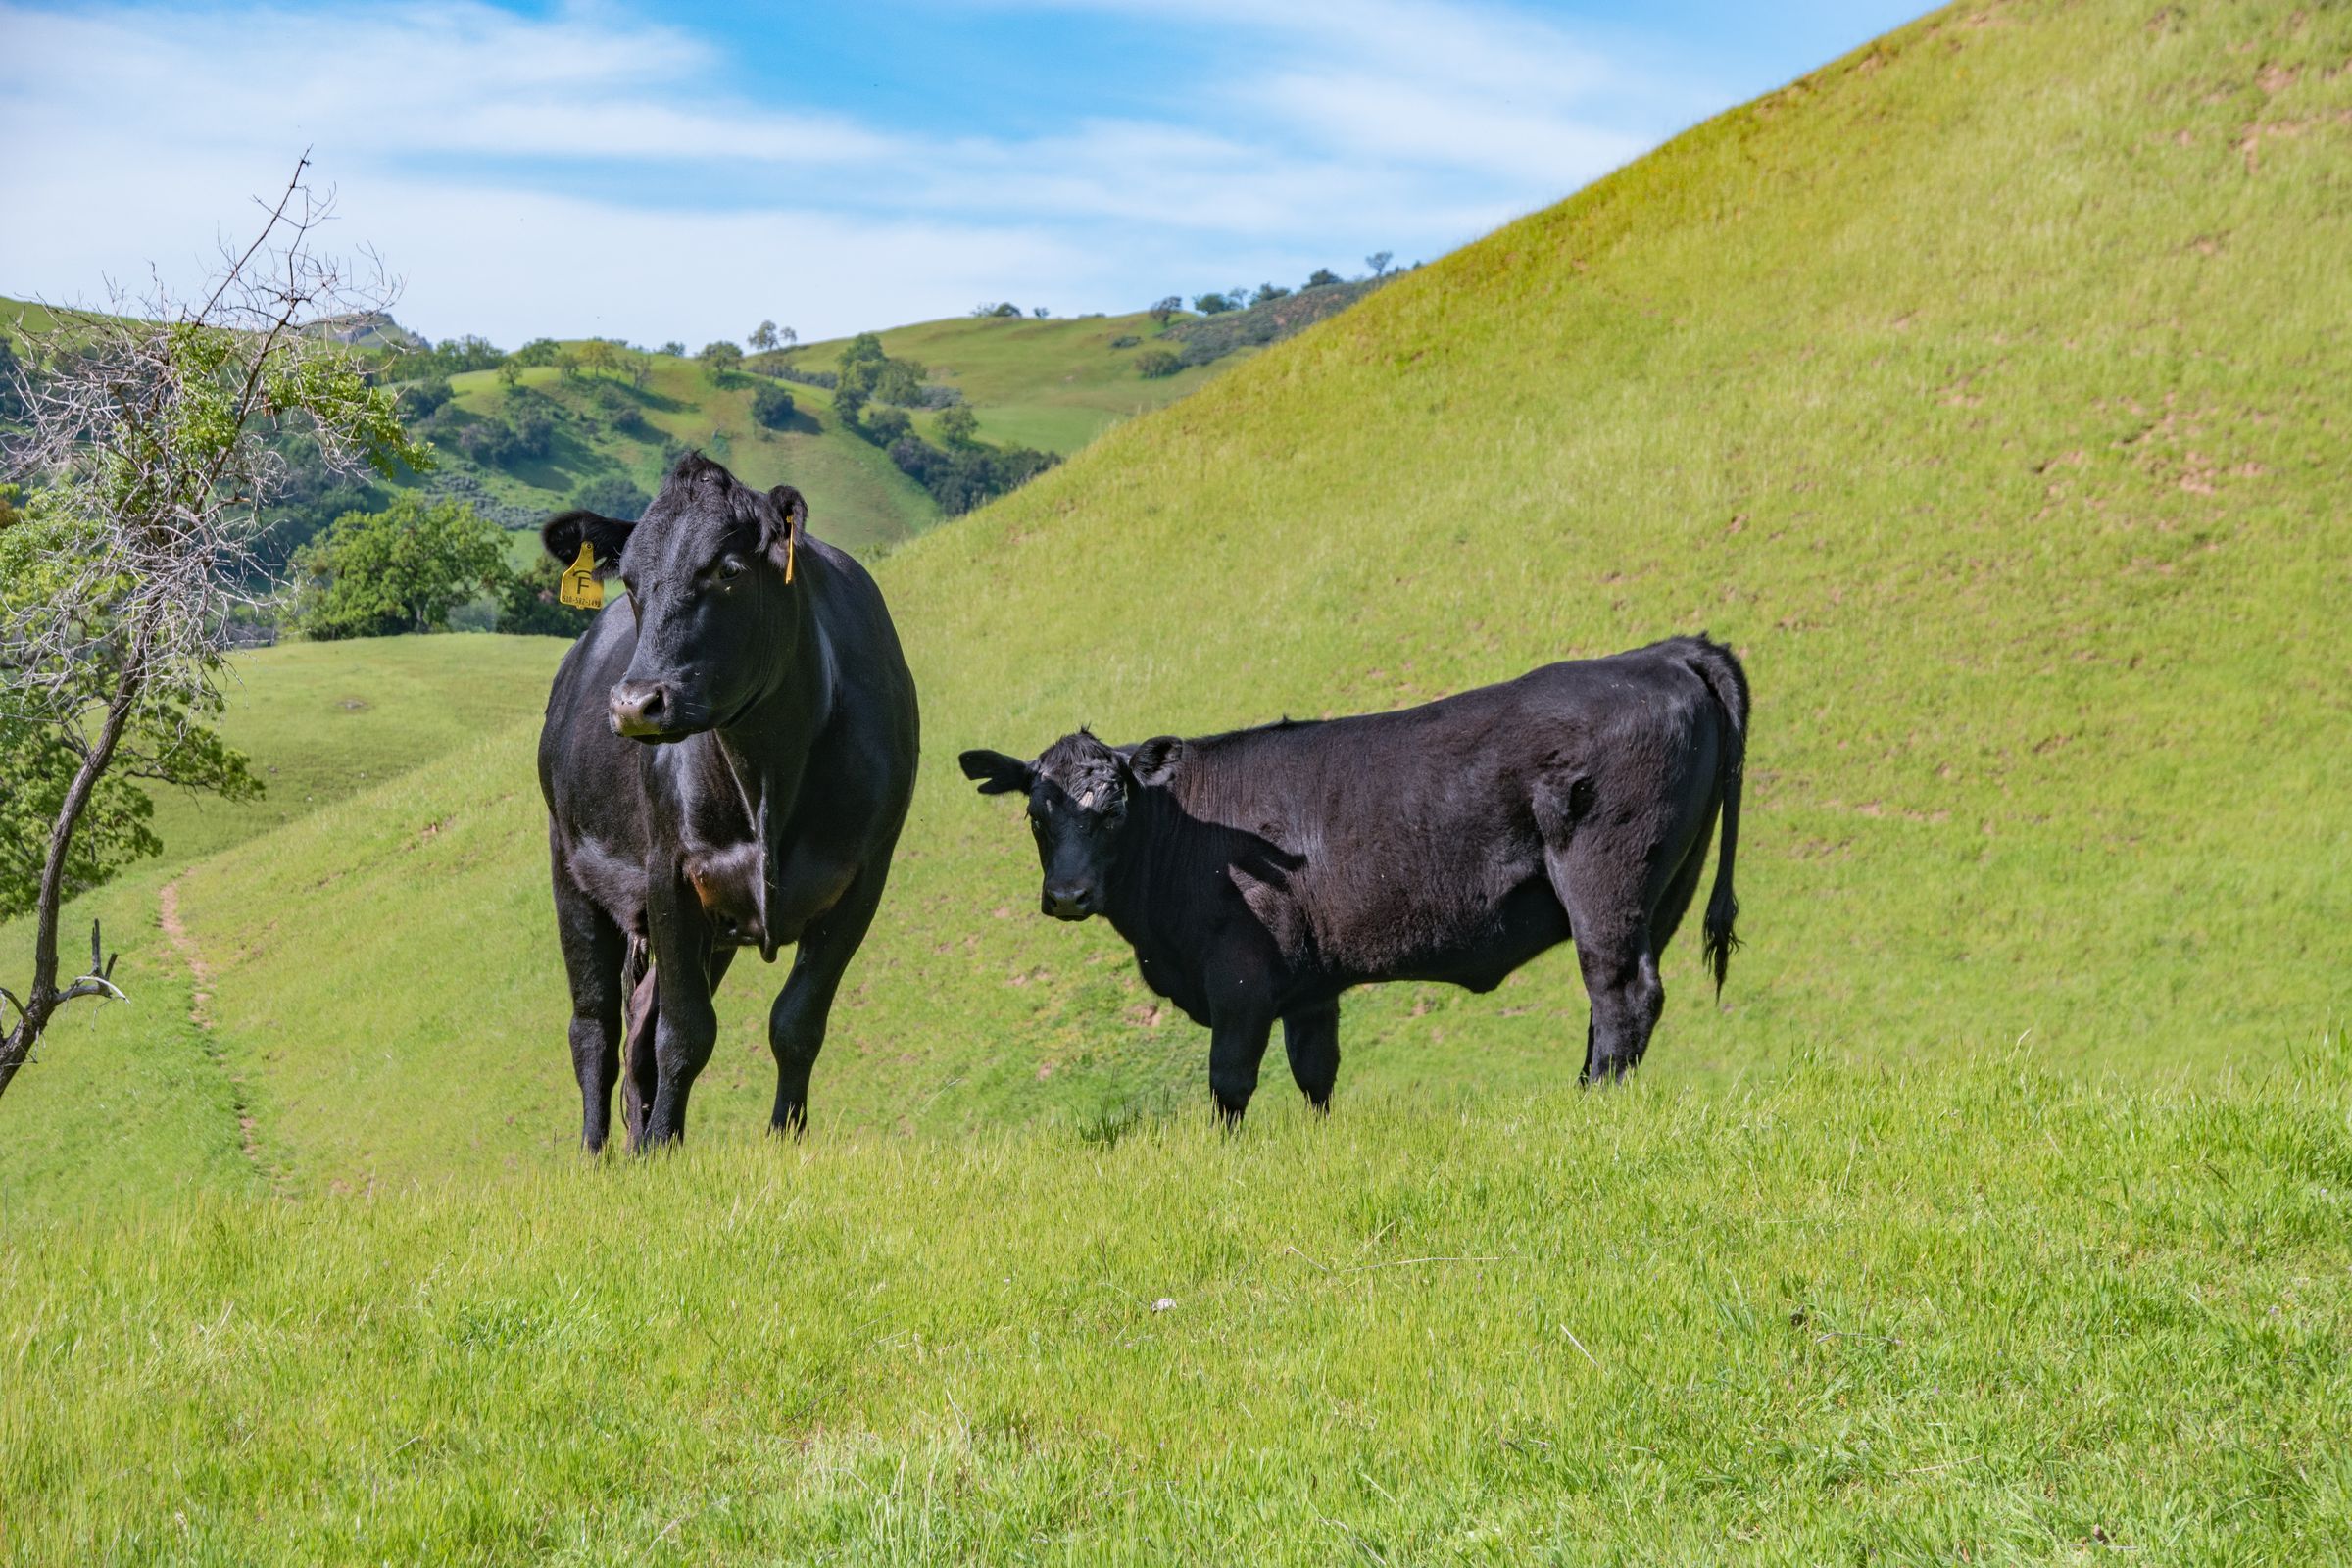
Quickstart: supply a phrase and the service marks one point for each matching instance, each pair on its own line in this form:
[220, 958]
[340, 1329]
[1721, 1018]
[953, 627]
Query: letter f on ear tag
[580, 588]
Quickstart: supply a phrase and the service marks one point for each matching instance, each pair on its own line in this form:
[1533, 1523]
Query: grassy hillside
[856, 498]
[1985, 391]
[130, 1104]
[1050, 384]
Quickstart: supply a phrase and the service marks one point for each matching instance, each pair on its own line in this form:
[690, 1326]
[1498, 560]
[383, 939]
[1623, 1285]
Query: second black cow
[1258, 874]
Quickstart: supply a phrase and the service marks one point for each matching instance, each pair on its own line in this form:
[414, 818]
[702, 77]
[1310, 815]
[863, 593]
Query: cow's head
[1081, 796]
[706, 571]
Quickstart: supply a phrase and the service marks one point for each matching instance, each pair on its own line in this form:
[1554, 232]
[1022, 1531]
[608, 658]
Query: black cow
[727, 760]
[1261, 873]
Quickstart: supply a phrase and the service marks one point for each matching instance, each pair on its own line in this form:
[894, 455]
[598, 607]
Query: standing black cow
[1261, 873]
[727, 761]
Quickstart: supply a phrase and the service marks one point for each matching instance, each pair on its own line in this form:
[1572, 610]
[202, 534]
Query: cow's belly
[1475, 945]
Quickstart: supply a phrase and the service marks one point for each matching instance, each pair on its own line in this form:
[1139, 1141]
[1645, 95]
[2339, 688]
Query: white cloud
[590, 172]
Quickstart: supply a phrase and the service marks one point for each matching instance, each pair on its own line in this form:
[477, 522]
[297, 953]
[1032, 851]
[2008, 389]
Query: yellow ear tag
[792, 543]
[580, 588]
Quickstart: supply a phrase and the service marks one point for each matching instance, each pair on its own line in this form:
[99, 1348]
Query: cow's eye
[729, 570]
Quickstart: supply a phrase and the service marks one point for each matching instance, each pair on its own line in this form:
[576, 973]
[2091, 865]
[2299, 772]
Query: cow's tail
[1715, 665]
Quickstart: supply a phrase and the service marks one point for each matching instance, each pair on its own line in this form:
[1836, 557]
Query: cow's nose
[639, 708]
[1069, 902]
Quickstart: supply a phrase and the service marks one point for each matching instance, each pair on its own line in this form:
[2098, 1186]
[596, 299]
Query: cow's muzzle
[1068, 902]
[643, 710]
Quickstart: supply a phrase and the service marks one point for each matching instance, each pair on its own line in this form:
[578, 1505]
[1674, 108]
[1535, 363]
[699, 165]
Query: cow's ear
[998, 773]
[789, 523]
[564, 535]
[1153, 763]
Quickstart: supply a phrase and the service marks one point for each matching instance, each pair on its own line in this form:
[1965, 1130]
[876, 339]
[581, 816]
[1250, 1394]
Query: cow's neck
[766, 748]
[1156, 830]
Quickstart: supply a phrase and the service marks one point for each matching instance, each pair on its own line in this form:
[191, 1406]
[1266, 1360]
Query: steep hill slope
[1981, 390]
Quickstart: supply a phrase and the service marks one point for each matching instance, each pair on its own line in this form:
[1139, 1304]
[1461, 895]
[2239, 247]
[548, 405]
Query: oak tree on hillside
[402, 570]
[149, 444]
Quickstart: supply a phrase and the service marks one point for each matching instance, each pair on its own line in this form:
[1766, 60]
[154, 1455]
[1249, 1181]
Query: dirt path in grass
[175, 931]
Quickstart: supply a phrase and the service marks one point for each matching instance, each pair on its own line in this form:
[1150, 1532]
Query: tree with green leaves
[402, 570]
[1379, 261]
[958, 425]
[764, 336]
[722, 357]
[771, 406]
[148, 447]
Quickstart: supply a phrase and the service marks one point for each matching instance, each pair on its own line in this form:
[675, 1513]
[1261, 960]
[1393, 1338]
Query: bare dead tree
[146, 447]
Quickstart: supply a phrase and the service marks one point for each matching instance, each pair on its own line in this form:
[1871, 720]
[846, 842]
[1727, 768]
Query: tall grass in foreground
[1835, 1314]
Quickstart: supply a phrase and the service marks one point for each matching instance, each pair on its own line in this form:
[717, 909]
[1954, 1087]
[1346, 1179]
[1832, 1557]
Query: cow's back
[1413, 842]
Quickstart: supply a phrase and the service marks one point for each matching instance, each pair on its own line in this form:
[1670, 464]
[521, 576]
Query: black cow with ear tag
[727, 760]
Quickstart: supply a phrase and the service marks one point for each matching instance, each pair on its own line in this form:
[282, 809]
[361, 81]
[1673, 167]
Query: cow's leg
[685, 1024]
[593, 955]
[795, 1024]
[1237, 1043]
[1674, 902]
[1312, 1036]
[1607, 899]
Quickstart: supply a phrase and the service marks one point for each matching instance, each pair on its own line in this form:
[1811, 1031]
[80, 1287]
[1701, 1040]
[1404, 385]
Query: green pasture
[1054, 384]
[1984, 390]
[856, 498]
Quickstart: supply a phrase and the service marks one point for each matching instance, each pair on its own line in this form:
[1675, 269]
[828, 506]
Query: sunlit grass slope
[131, 1104]
[1050, 384]
[1055, 384]
[856, 498]
[1984, 390]
[1969, 1314]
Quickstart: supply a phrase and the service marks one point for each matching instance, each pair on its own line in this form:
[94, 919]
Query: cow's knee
[1627, 1002]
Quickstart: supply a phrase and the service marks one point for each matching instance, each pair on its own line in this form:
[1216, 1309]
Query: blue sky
[684, 172]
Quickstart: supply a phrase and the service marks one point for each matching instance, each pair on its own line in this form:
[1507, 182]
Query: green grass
[1984, 390]
[1050, 384]
[1827, 1314]
[130, 1104]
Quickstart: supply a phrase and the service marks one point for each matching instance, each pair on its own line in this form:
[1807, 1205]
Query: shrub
[1153, 363]
[771, 406]
[1127, 342]
[538, 351]
[423, 399]
[615, 495]
[885, 424]
[967, 476]
[959, 426]
[375, 574]
[1323, 276]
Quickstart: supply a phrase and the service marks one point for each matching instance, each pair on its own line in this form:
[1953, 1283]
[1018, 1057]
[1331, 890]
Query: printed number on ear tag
[580, 588]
